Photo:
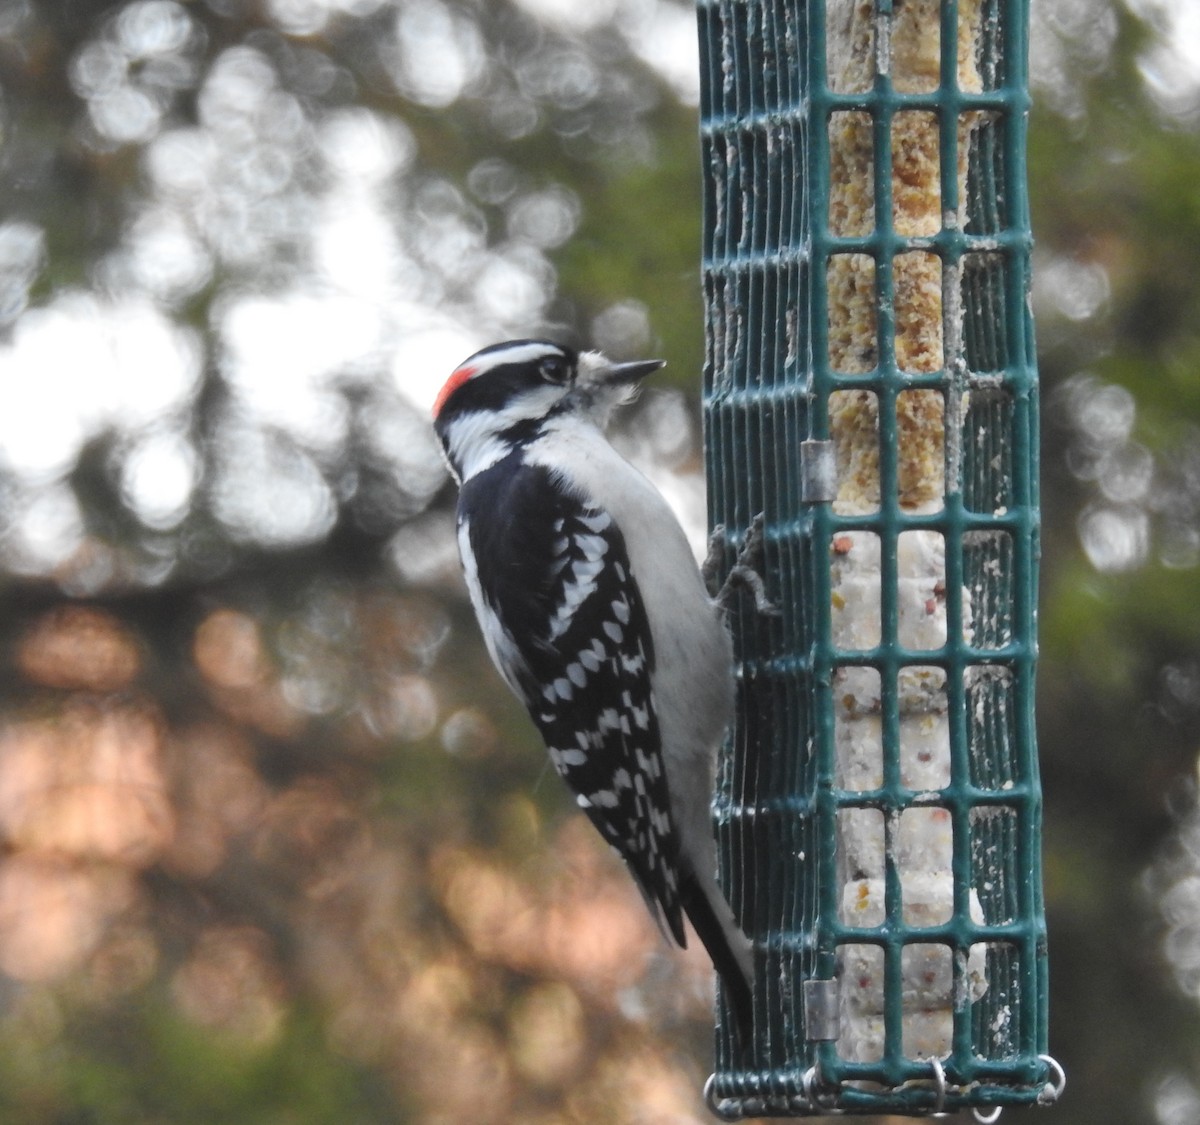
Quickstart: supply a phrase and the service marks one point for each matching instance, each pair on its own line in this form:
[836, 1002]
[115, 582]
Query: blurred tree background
[277, 846]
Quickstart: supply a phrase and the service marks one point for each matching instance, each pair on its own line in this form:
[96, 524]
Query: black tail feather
[739, 986]
[668, 916]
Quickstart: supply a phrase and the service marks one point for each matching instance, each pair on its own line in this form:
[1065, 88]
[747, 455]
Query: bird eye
[553, 369]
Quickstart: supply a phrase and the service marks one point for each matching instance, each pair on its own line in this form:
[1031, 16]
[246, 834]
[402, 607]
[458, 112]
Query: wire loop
[718, 1108]
[810, 1083]
[1053, 1089]
[939, 1085]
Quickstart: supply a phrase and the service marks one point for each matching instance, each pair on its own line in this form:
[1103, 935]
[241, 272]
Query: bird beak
[632, 372]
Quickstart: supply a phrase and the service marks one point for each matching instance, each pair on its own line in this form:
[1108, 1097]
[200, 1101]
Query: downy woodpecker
[595, 613]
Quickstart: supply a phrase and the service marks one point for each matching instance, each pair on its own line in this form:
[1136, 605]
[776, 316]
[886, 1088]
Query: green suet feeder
[871, 388]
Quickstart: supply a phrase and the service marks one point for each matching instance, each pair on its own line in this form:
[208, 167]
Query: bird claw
[746, 571]
[714, 558]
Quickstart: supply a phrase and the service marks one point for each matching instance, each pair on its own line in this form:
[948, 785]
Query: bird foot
[746, 571]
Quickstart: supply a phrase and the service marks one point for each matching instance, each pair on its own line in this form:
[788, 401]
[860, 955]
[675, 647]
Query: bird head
[504, 396]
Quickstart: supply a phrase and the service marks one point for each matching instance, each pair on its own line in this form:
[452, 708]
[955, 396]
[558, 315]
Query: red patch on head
[456, 380]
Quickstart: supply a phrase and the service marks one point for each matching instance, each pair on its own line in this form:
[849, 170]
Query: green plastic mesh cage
[870, 388]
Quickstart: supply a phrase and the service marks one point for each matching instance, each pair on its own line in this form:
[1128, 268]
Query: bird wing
[584, 673]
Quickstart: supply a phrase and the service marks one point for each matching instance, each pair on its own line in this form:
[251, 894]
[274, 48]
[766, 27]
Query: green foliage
[647, 251]
[142, 1063]
[1114, 188]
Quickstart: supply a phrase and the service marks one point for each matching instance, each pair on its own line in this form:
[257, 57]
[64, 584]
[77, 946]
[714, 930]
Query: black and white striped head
[505, 395]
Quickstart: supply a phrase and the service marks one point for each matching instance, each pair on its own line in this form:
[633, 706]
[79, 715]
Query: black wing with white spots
[568, 630]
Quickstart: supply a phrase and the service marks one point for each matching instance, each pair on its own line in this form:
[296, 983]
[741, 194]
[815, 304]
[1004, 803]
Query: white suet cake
[922, 839]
